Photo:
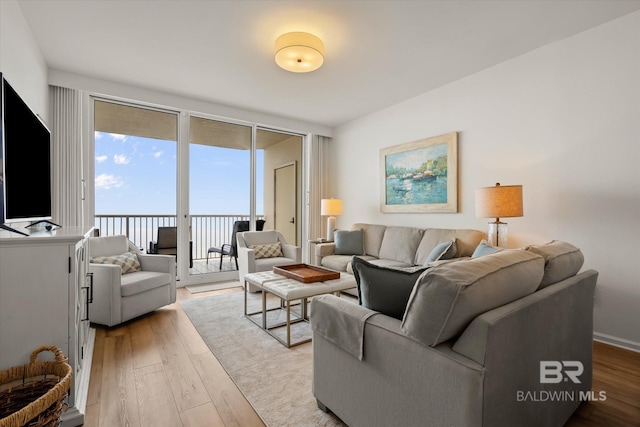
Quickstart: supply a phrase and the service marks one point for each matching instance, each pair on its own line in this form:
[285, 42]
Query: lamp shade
[299, 52]
[501, 201]
[331, 207]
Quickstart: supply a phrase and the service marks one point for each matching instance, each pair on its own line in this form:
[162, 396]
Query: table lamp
[330, 208]
[501, 201]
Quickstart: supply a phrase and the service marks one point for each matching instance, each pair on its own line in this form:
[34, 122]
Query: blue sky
[135, 175]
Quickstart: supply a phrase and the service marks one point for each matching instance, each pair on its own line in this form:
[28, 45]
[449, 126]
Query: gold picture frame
[420, 176]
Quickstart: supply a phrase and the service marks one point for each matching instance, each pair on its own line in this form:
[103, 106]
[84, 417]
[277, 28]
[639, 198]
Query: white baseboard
[615, 341]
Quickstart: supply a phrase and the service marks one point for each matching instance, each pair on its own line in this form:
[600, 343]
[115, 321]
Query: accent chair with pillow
[126, 282]
[263, 250]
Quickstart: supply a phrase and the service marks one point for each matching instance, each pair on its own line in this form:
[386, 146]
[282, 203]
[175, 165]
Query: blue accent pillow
[386, 290]
[484, 248]
[348, 242]
[445, 250]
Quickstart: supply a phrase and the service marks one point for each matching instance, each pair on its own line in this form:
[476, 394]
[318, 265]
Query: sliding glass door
[135, 169]
[220, 202]
[194, 180]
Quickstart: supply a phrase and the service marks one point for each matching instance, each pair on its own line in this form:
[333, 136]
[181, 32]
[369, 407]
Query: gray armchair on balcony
[263, 250]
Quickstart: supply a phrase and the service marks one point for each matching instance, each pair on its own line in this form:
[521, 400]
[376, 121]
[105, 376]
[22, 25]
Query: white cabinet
[43, 300]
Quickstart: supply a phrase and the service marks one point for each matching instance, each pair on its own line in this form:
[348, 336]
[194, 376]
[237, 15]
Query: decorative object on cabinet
[501, 201]
[420, 176]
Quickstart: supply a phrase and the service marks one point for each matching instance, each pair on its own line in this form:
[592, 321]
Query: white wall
[167, 99]
[21, 61]
[563, 121]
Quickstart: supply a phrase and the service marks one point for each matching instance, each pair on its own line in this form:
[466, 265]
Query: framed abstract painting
[420, 176]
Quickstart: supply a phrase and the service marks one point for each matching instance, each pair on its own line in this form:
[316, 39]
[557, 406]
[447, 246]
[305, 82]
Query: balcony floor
[200, 266]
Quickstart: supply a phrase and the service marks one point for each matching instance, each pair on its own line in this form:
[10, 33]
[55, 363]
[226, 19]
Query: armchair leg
[221, 261]
[236, 258]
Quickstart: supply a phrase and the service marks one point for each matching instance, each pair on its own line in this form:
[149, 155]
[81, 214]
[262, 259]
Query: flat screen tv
[25, 161]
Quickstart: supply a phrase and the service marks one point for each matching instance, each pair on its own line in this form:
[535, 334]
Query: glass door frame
[184, 214]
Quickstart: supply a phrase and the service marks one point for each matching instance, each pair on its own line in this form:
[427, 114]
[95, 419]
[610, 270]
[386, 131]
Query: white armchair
[247, 261]
[120, 297]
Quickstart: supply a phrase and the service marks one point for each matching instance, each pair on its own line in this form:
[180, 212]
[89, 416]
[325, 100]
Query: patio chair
[231, 250]
[167, 243]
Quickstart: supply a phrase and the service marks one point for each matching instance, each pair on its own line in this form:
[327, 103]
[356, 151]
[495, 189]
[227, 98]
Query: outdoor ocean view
[138, 176]
[136, 188]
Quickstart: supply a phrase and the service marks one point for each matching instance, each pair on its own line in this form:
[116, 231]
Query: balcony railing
[205, 230]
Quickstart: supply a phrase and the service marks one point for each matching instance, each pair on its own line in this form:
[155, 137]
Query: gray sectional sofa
[482, 342]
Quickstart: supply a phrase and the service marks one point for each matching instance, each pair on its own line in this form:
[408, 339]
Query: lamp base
[497, 234]
[331, 225]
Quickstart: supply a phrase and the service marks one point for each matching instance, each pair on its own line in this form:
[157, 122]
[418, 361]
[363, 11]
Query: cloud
[158, 154]
[97, 135]
[118, 137]
[120, 159]
[101, 159]
[107, 181]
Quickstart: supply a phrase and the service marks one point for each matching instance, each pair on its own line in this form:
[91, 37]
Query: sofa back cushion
[372, 237]
[561, 261]
[400, 244]
[466, 242]
[446, 298]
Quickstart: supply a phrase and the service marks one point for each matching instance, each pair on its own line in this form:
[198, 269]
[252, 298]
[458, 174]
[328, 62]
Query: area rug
[275, 380]
[206, 287]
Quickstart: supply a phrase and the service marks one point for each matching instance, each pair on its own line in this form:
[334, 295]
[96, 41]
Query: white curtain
[66, 112]
[318, 184]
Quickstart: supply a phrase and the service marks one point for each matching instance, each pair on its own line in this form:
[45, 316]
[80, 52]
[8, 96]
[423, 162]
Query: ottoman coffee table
[289, 290]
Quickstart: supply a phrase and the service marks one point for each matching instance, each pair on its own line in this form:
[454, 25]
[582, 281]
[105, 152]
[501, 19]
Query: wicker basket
[33, 394]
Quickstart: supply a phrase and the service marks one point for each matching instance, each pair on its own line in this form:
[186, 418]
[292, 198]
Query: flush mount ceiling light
[299, 52]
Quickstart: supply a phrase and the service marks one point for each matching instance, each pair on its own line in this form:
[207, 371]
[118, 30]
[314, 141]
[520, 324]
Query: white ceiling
[378, 53]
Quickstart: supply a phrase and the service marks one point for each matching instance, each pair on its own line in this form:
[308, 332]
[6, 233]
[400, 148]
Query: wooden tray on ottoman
[306, 273]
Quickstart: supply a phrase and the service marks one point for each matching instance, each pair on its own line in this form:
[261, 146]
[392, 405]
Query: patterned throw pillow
[128, 262]
[270, 250]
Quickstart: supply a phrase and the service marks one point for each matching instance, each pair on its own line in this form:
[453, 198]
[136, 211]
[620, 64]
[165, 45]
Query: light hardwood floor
[157, 371]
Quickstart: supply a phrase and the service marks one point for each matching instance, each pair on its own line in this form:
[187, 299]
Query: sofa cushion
[448, 297]
[400, 244]
[348, 242]
[267, 250]
[561, 261]
[372, 237]
[445, 250]
[466, 242]
[343, 262]
[385, 290]
[142, 281]
[484, 248]
[127, 261]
